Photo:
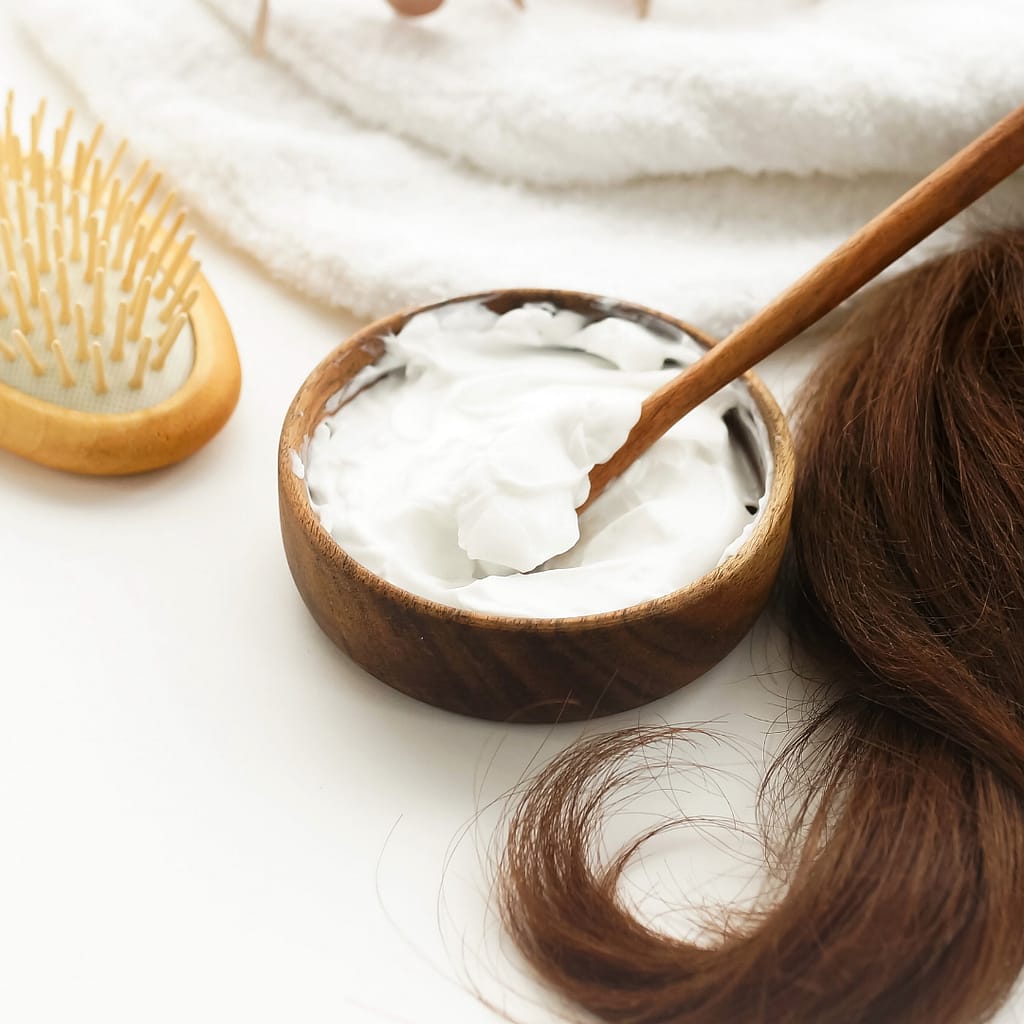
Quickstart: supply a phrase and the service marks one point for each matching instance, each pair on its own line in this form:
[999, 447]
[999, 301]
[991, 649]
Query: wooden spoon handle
[915, 215]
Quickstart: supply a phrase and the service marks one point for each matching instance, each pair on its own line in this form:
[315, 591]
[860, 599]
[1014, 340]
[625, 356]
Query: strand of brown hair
[904, 584]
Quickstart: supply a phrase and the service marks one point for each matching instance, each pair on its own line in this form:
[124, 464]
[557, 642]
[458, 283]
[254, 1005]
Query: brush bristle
[96, 286]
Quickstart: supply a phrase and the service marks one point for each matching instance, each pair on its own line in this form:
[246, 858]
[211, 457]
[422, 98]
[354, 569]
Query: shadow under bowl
[526, 669]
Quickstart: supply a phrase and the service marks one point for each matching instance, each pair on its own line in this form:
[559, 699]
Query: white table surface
[207, 812]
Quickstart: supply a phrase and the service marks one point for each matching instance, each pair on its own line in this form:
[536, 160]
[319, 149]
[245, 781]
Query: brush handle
[915, 215]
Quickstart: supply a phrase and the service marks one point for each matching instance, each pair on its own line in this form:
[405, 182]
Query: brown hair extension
[904, 897]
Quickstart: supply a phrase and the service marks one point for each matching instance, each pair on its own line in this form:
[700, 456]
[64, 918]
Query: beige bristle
[139, 376]
[95, 184]
[172, 231]
[22, 345]
[139, 311]
[24, 320]
[112, 204]
[67, 378]
[59, 140]
[7, 352]
[58, 244]
[179, 258]
[34, 129]
[64, 291]
[99, 371]
[179, 290]
[78, 168]
[5, 310]
[147, 195]
[9, 116]
[123, 234]
[42, 231]
[90, 150]
[128, 280]
[57, 194]
[147, 272]
[8, 247]
[117, 349]
[81, 335]
[76, 228]
[49, 331]
[158, 217]
[115, 161]
[167, 340]
[61, 137]
[19, 198]
[32, 270]
[14, 155]
[5, 209]
[37, 175]
[136, 179]
[36, 124]
[99, 293]
[127, 219]
[190, 301]
[92, 230]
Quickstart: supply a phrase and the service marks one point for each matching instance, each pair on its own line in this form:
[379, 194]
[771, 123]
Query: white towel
[697, 161]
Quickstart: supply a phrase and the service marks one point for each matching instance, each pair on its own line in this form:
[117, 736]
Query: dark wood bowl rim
[295, 494]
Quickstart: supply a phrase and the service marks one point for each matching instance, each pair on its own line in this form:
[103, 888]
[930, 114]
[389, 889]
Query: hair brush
[115, 356]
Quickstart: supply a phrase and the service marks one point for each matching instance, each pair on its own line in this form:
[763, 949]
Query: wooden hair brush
[115, 356]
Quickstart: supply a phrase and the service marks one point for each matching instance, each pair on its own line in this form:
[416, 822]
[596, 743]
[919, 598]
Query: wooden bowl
[524, 669]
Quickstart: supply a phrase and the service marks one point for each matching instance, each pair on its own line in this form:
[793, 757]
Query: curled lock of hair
[904, 895]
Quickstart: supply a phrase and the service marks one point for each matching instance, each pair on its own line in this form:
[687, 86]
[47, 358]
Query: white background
[206, 812]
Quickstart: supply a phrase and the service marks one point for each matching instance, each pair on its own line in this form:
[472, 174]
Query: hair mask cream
[457, 474]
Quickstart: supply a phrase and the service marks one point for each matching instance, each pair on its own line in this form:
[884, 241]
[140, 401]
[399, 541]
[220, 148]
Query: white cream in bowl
[460, 469]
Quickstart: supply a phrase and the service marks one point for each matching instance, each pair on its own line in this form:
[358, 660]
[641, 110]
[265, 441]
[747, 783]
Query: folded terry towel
[580, 91]
[697, 161]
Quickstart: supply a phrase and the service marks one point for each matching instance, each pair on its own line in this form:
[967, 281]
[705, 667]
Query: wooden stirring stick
[915, 215]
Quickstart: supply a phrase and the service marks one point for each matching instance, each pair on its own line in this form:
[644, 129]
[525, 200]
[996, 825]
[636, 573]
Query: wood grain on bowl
[522, 669]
